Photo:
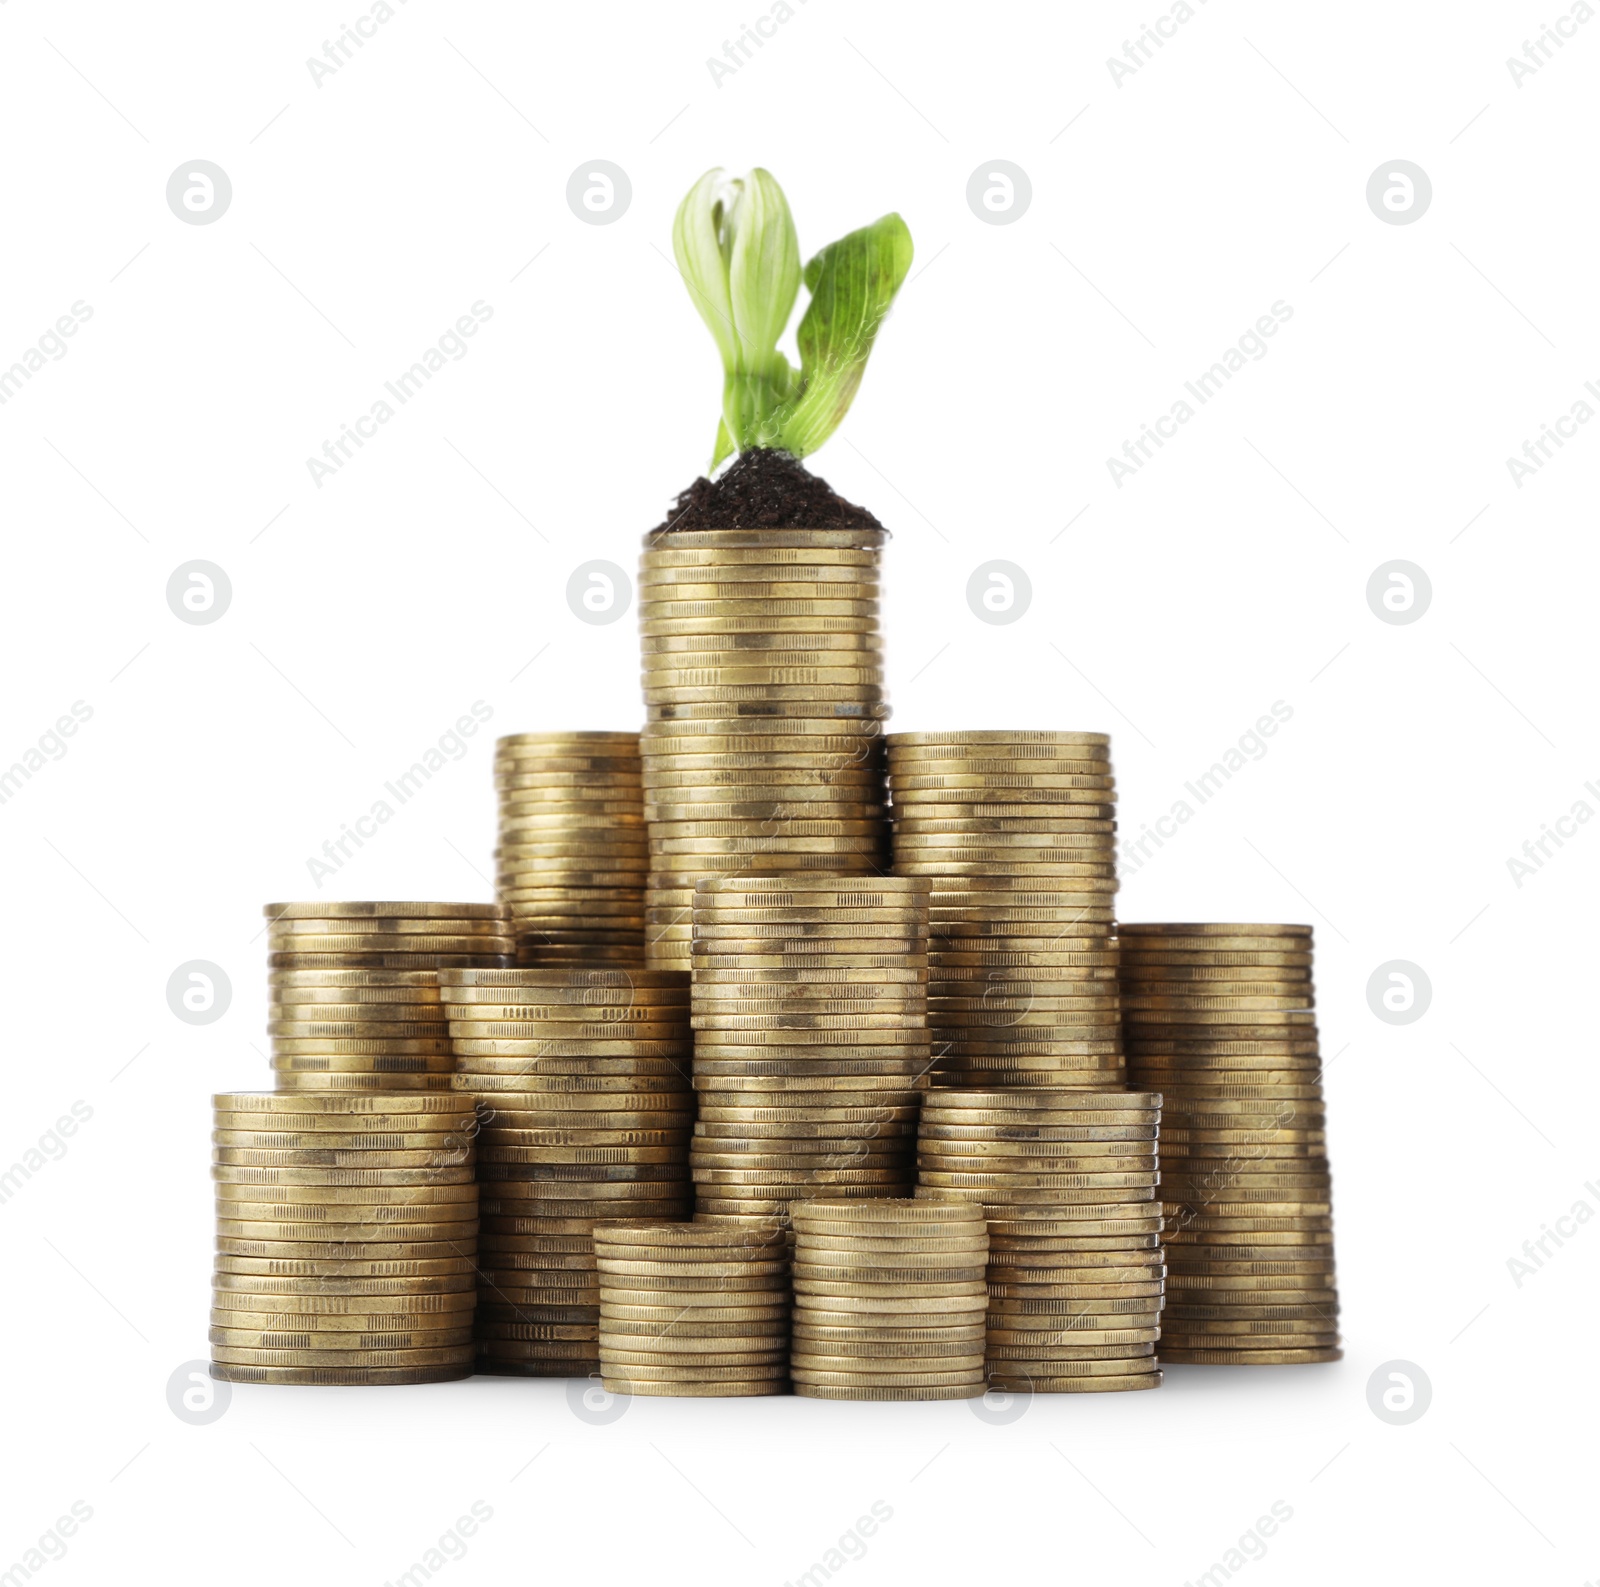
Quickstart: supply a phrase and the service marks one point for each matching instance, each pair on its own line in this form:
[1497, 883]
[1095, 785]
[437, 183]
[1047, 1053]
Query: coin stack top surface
[689, 1310]
[1221, 1019]
[1016, 830]
[763, 682]
[811, 1038]
[572, 855]
[889, 1300]
[1066, 1180]
[581, 1078]
[355, 998]
[346, 1238]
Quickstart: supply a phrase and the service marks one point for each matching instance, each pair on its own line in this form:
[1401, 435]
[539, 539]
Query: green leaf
[723, 447]
[852, 283]
[763, 266]
[697, 246]
[736, 247]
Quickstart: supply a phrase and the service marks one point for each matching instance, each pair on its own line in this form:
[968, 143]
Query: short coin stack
[889, 1300]
[1067, 1181]
[811, 1038]
[355, 1002]
[691, 1311]
[346, 1238]
[573, 853]
[764, 686]
[582, 1083]
[1220, 1019]
[1017, 832]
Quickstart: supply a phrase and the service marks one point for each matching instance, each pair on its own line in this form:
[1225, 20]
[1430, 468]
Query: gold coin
[322, 909]
[292, 928]
[413, 1112]
[270, 1255]
[339, 1149]
[675, 548]
[346, 1312]
[230, 1173]
[340, 1287]
[283, 941]
[242, 1356]
[320, 1011]
[252, 1236]
[226, 1372]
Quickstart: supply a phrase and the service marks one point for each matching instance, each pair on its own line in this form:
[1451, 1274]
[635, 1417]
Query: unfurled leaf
[852, 283]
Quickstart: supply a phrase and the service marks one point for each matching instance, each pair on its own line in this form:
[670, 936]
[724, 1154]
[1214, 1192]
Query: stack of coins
[889, 1300]
[355, 1001]
[585, 1106]
[1220, 1019]
[811, 1038]
[763, 679]
[346, 1238]
[1017, 832]
[691, 1311]
[573, 854]
[1067, 1181]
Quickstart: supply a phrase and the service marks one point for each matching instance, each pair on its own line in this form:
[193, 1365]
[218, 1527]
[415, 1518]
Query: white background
[371, 211]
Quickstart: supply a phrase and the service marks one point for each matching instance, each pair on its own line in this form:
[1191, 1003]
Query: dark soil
[763, 489]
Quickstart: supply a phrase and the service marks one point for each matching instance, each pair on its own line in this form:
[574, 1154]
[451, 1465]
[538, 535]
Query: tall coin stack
[889, 1300]
[582, 1084]
[1220, 1019]
[691, 1311]
[346, 1238]
[763, 679]
[1066, 1180]
[355, 1002]
[811, 1038]
[573, 854]
[1017, 832]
